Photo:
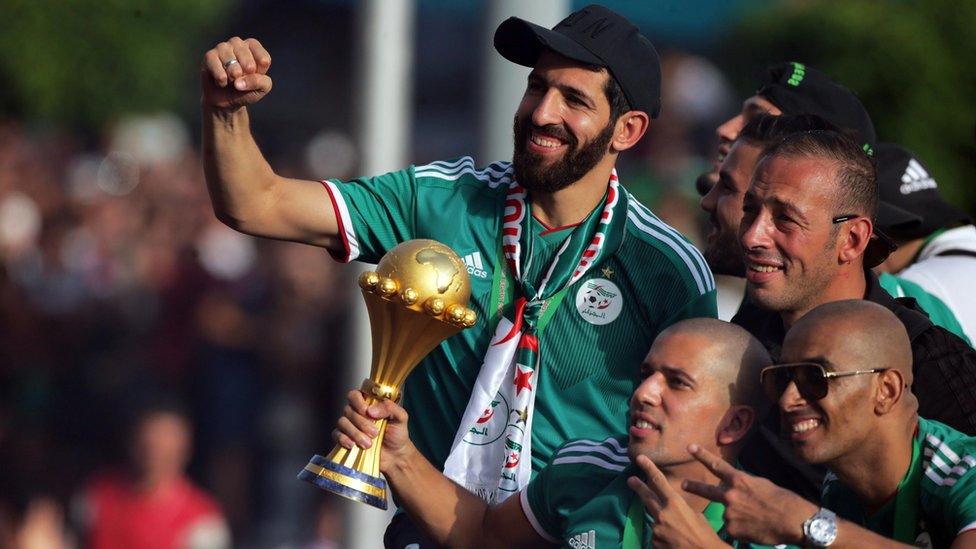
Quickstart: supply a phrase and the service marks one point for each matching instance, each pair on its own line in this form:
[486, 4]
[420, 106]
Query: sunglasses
[810, 378]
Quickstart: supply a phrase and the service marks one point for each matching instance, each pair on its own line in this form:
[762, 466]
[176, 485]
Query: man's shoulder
[948, 472]
[954, 239]
[462, 171]
[591, 458]
[933, 342]
[948, 455]
[647, 235]
[907, 310]
[582, 469]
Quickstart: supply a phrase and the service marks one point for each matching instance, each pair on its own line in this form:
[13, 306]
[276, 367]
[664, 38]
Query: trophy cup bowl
[416, 298]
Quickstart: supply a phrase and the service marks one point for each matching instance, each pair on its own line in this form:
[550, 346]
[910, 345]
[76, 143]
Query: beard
[799, 290]
[534, 175]
[724, 255]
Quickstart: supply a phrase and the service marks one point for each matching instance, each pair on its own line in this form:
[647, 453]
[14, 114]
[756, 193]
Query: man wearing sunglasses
[807, 237]
[700, 386]
[844, 392]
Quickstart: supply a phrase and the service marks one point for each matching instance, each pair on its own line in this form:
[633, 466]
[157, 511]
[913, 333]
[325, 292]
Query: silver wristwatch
[820, 530]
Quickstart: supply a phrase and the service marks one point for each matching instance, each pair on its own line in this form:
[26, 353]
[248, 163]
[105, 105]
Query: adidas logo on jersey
[475, 267]
[915, 178]
[586, 540]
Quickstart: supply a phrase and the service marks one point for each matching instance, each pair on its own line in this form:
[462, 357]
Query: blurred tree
[911, 63]
[82, 63]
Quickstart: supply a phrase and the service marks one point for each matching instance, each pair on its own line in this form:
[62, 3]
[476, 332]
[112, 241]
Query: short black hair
[614, 93]
[856, 177]
[615, 96]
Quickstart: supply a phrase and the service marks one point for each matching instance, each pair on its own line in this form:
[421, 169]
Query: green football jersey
[939, 313]
[581, 499]
[596, 337]
[947, 489]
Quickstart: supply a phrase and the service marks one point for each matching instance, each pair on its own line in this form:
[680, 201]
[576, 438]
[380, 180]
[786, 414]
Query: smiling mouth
[723, 151]
[644, 424]
[799, 429]
[806, 425]
[763, 268]
[546, 142]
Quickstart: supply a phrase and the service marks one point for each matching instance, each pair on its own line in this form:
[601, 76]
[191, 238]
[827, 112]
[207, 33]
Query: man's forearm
[239, 178]
[449, 514]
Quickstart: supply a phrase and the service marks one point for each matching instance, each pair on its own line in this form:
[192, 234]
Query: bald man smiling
[844, 392]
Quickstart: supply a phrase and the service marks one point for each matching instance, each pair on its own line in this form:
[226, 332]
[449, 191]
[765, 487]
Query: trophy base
[345, 481]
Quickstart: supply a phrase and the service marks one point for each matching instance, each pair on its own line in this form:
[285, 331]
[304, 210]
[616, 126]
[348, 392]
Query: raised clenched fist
[234, 74]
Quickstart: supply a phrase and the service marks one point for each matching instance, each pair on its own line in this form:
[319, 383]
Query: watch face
[823, 530]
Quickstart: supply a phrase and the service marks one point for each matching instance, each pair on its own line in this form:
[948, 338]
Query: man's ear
[735, 424]
[854, 241]
[891, 388]
[628, 130]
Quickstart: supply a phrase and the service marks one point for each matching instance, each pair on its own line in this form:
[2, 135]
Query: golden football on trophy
[416, 298]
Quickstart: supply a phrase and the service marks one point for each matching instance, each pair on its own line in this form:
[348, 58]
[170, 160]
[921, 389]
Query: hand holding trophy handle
[416, 299]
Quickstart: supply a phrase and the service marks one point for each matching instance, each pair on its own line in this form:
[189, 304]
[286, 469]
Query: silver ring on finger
[229, 63]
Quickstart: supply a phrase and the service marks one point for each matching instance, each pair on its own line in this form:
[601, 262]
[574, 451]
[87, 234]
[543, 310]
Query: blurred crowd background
[121, 295]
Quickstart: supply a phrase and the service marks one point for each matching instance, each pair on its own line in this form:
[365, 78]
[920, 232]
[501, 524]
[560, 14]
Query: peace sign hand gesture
[756, 510]
[675, 523]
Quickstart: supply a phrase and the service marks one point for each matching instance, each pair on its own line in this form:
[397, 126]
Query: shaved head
[731, 354]
[699, 385]
[868, 333]
[864, 413]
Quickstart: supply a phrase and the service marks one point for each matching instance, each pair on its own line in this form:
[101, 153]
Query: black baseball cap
[596, 36]
[796, 88]
[915, 209]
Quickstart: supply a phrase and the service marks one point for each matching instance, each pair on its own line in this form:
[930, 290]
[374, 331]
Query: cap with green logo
[796, 88]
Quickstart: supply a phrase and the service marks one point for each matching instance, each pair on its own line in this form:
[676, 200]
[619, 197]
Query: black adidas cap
[596, 36]
[915, 209]
[796, 88]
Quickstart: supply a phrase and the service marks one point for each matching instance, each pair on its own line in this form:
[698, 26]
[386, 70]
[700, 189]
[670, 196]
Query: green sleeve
[374, 213]
[960, 511]
[540, 501]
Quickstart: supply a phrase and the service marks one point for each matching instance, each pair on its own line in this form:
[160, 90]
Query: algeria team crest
[491, 425]
[599, 301]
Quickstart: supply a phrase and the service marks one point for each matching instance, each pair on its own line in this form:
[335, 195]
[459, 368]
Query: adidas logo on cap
[586, 540]
[915, 178]
[475, 267]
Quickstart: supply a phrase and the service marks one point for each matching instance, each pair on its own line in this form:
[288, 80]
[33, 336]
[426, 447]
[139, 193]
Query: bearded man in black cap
[553, 223]
[936, 241]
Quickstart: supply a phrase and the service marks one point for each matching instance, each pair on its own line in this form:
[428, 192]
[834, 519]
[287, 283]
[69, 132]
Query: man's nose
[730, 129]
[791, 398]
[754, 232]
[548, 108]
[650, 390]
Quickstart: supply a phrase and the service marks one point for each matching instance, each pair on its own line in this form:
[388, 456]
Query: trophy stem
[351, 473]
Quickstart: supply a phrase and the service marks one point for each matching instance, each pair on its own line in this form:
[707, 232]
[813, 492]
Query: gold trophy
[416, 299]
